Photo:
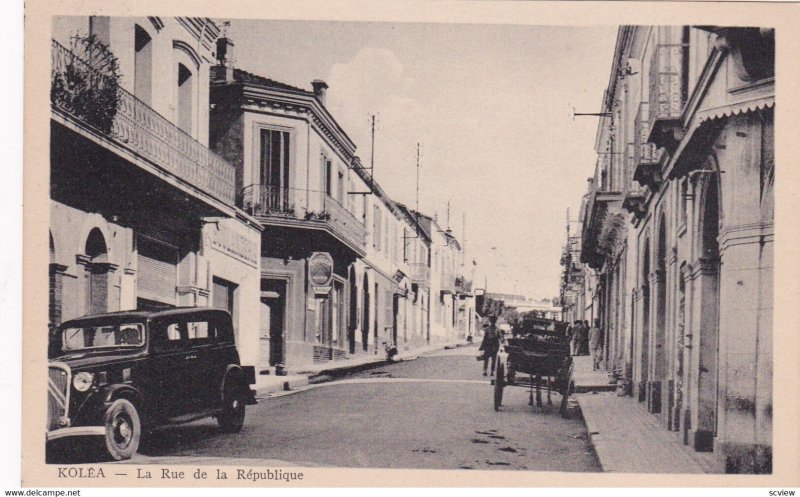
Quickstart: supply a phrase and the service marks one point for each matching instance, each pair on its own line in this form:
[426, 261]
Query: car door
[170, 390]
[199, 361]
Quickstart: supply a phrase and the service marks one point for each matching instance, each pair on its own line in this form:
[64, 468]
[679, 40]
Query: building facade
[344, 269]
[142, 213]
[678, 231]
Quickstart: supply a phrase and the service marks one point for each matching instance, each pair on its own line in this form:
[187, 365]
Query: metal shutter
[157, 276]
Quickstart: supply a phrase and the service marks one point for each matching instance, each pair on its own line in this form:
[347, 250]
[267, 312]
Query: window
[328, 172]
[274, 169]
[197, 330]
[173, 332]
[274, 158]
[143, 65]
[184, 98]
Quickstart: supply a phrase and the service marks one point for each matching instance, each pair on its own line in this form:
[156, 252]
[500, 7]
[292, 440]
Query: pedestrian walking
[596, 344]
[490, 346]
[584, 345]
[573, 332]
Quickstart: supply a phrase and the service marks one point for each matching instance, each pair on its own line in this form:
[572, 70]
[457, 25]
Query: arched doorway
[644, 361]
[96, 273]
[352, 315]
[707, 287]
[659, 285]
[365, 314]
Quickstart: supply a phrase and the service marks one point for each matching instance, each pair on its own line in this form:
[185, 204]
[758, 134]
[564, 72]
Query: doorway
[273, 318]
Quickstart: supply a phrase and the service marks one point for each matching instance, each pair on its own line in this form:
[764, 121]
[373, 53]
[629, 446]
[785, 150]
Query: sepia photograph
[284, 245]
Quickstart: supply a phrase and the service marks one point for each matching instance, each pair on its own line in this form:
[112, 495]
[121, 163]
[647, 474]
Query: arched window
[143, 66]
[185, 92]
[96, 273]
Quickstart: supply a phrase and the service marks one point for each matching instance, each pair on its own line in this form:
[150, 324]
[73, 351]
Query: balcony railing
[666, 98]
[420, 273]
[343, 222]
[646, 152]
[266, 200]
[86, 94]
[463, 285]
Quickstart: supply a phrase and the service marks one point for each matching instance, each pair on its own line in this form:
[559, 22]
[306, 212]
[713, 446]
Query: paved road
[434, 412]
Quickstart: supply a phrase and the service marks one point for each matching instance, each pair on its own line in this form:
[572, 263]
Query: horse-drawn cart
[540, 350]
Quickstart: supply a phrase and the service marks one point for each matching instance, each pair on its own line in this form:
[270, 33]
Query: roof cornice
[319, 115]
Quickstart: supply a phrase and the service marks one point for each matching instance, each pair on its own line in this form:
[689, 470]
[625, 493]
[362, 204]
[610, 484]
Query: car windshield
[106, 335]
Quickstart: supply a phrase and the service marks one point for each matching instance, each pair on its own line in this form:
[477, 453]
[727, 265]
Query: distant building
[678, 232]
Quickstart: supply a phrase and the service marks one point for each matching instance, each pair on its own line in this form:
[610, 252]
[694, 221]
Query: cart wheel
[499, 383]
[511, 376]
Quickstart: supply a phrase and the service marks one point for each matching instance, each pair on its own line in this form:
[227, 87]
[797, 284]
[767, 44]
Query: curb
[335, 372]
[595, 437]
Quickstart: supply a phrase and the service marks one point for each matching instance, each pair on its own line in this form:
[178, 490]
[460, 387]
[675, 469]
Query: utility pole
[372, 151]
[463, 237]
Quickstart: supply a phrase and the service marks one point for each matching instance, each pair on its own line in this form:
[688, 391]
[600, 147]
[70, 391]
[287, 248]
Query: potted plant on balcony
[85, 81]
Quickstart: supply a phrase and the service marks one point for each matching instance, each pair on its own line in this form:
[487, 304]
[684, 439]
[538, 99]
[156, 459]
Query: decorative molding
[188, 50]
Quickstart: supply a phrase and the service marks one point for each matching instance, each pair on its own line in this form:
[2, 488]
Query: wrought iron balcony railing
[88, 95]
[666, 93]
[646, 152]
[463, 285]
[343, 222]
[266, 200]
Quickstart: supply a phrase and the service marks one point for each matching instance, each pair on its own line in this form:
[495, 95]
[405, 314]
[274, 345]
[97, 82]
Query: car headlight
[82, 381]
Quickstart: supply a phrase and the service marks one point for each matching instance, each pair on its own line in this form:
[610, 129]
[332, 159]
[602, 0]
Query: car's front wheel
[123, 429]
[231, 419]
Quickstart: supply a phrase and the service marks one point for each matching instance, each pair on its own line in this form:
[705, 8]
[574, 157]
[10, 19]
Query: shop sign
[320, 272]
[233, 244]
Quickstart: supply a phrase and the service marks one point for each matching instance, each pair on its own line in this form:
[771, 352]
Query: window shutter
[158, 271]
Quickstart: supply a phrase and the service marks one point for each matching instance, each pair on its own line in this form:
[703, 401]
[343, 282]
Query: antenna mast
[372, 151]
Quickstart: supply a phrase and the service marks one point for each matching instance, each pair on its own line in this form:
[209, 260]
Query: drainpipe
[199, 68]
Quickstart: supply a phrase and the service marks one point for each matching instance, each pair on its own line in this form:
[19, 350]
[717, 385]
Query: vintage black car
[116, 374]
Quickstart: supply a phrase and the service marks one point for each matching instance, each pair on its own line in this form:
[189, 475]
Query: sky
[490, 105]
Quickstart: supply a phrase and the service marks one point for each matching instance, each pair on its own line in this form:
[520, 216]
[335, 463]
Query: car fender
[93, 408]
[123, 391]
[231, 369]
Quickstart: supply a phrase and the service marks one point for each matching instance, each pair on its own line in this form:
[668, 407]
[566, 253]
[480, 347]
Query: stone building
[142, 213]
[678, 230]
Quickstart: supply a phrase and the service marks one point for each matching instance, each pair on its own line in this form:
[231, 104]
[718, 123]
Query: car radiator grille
[57, 394]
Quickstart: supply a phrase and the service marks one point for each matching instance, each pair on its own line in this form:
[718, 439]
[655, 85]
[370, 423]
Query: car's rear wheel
[123, 429]
[231, 419]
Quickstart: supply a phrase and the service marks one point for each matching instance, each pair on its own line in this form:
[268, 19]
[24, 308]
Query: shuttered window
[158, 270]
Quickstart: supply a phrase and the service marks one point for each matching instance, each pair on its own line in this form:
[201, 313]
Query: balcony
[666, 95]
[85, 94]
[275, 206]
[266, 201]
[463, 285]
[342, 222]
[647, 157]
[420, 273]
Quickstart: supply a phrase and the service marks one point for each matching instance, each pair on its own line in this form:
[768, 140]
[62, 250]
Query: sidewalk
[628, 439]
[270, 384]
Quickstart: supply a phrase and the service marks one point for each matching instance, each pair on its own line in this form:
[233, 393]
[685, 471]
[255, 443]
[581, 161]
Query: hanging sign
[320, 272]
